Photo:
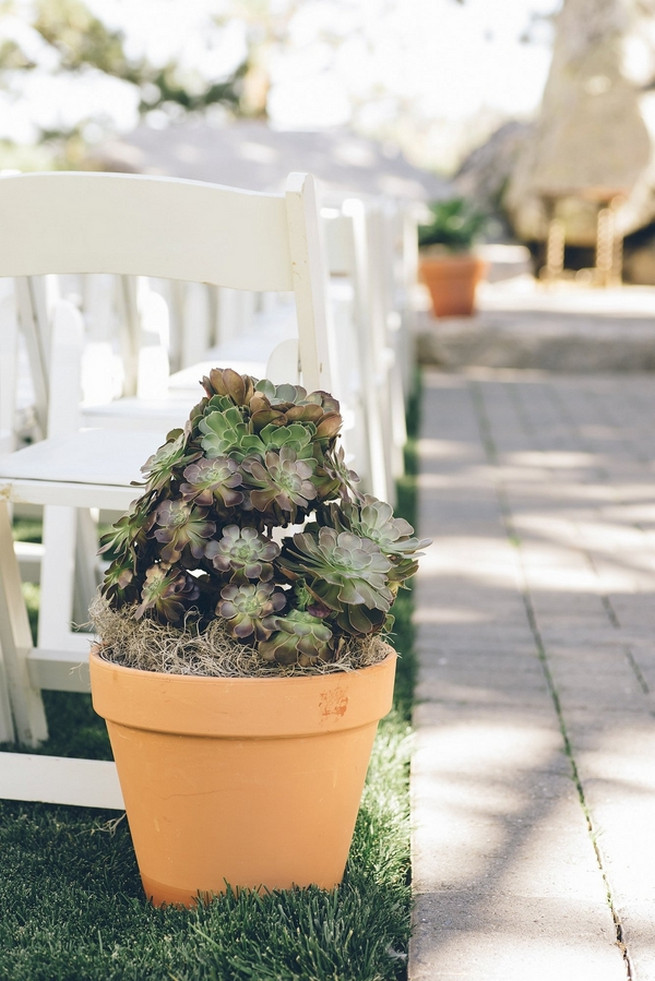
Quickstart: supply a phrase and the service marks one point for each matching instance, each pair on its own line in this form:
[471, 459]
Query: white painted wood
[8, 366]
[88, 566]
[309, 283]
[61, 670]
[16, 642]
[57, 574]
[65, 358]
[235, 314]
[131, 227]
[151, 226]
[283, 363]
[59, 780]
[157, 416]
[357, 378]
[385, 349]
[28, 306]
[197, 330]
[247, 352]
[108, 497]
[85, 457]
[153, 366]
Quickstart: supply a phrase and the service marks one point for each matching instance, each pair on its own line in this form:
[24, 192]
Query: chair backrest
[357, 247]
[134, 225]
[127, 226]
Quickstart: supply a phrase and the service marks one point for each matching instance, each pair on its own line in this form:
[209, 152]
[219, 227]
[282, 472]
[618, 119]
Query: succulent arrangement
[250, 518]
[455, 224]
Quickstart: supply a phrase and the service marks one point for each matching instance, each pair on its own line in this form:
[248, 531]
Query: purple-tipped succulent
[299, 637]
[249, 515]
[249, 609]
[213, 482]
[182, 526]
[243, 553]
[281, 485]
[166, 591]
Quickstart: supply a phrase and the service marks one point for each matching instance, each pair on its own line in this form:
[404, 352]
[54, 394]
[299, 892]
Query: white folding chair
[387, 334]
[125, 225]
[347, 249]
[364, 245]
[368, 369]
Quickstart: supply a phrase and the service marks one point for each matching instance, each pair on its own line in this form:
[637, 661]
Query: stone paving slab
[533, 778]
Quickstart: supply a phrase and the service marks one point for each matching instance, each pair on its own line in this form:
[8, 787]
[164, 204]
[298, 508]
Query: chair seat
[133, 227]
[63, 469]
[248, 353]
[157, 416]
[186, 379]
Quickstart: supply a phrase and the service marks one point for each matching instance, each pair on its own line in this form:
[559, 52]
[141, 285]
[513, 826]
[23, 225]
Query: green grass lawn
[72, 907]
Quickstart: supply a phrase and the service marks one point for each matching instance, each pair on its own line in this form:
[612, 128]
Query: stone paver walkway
[533, 778]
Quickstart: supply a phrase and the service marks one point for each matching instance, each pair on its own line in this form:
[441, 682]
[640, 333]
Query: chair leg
[87, 571]
[58, 580]
[16, 642]
[7, 731]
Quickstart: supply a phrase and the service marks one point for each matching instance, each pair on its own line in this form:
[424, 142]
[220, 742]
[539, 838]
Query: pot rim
[211, 706]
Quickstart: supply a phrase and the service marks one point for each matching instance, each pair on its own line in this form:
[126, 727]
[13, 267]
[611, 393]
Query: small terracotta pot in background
[452, 282]
[249, 782]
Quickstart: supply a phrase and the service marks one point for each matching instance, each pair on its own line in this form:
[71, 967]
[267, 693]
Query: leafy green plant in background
[455, 225]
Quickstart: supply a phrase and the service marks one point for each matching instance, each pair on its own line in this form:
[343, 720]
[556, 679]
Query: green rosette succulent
[298, 638]
[249, 609]
[296, 436]
[167, 460]
[375, 520]
[213, 482]
[347, 574]
[243, 553]
[167, 592]
[222, 432]
[181, 526]
[250, 516]
[281, 485]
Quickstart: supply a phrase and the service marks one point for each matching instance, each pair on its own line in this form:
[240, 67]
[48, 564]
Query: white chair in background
[125, 225]
[388, 347]
[384, 369]
[369, 349]
[353, 307]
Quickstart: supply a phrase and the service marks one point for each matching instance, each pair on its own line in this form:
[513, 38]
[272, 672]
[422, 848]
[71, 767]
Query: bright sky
[449, 60]
[446, 60]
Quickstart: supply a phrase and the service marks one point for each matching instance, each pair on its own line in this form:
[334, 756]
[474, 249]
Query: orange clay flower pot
[251, 782]
[452, 281]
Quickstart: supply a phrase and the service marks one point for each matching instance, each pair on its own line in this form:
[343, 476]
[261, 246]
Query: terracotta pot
[452, 281]
[242, 781]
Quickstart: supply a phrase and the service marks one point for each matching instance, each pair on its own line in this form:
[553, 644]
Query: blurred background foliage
[73, 73]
